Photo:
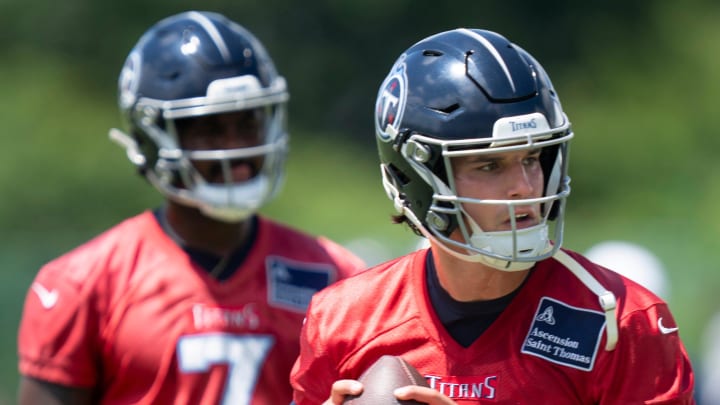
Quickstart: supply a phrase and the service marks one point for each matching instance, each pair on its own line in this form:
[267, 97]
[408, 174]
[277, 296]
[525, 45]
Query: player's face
[504, 176]
[234, 130]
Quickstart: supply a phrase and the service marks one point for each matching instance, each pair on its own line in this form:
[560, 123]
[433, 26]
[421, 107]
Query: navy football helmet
[471, 92]
[194, 64]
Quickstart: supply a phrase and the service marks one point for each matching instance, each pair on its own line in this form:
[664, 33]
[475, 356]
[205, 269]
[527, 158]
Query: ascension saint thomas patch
[291, 284]
[565, 335]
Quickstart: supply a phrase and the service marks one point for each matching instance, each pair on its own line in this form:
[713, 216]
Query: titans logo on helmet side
[391, 101]
[129, 80]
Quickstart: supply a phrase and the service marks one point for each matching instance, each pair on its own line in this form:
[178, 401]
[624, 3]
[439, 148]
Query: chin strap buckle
[607, 299]
[609, 305]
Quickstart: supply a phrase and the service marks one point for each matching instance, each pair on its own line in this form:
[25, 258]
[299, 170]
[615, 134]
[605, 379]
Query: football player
[473, 146]
[200, 301]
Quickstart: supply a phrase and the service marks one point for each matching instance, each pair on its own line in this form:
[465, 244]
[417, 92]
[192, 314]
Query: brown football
[382, 378]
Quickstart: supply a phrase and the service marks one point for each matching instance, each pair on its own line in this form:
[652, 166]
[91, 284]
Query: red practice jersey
[546, 347]
[131, 314]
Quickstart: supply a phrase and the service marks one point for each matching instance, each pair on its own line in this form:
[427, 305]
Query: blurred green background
[639, 80]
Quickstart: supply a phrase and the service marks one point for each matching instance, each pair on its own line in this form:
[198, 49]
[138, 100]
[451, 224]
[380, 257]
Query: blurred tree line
[335, 53]
[639, 80]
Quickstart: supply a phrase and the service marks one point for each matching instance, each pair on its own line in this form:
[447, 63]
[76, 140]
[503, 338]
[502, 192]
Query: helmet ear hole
[398, 176]
[393, 182]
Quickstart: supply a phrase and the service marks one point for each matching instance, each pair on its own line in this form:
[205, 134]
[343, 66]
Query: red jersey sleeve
[313, 367]
[651, 364]
[56, 338]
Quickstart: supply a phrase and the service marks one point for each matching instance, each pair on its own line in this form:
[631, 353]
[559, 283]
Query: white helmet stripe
[213, 32]
[492, 51]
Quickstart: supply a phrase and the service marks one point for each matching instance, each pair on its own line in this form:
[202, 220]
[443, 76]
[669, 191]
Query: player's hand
[341, 388]
[423, 394]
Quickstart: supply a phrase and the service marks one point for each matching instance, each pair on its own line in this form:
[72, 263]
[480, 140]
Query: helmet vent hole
[432, 52]
[172, 75]
[449, 109]
[401, 178]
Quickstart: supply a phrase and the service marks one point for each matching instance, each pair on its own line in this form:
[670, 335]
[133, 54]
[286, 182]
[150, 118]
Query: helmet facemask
[447, 219]
[176, 173]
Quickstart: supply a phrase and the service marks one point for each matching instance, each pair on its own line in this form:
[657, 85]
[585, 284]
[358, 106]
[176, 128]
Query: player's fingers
[341, 388]
[422, 394]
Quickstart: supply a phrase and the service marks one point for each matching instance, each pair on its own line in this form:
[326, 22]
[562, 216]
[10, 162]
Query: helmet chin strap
[232, 203]
[606, 298]
[531, 241]
[497, 264]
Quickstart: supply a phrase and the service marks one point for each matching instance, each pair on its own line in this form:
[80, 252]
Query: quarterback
[473, 147]
[199, 301]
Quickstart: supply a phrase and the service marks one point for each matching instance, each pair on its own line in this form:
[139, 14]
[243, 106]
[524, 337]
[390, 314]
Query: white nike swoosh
[665, 330]
[48, 298]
